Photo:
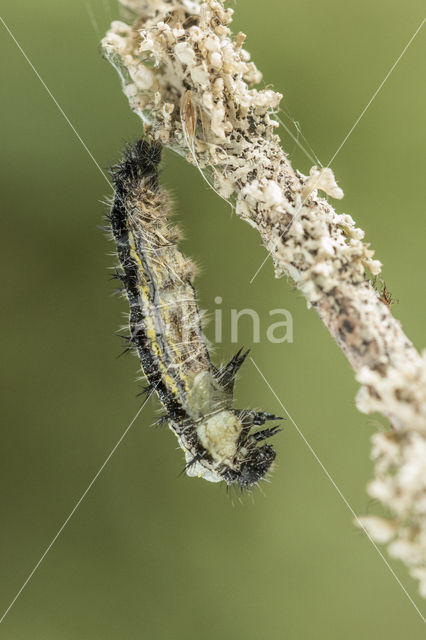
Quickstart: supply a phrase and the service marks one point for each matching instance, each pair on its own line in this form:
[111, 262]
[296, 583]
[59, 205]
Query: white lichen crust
[400, 484]
[192, 83]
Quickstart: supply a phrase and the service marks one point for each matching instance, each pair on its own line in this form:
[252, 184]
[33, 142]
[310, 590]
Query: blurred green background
[149, 553]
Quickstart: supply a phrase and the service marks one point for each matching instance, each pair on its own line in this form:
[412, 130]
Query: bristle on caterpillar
[165, 330]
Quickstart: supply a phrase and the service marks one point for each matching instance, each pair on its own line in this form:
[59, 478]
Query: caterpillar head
[252, 461]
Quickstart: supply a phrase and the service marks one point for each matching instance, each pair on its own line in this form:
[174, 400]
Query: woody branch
[192, 83]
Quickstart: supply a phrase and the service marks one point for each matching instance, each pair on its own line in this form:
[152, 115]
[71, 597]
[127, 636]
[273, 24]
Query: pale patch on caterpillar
[165, 330]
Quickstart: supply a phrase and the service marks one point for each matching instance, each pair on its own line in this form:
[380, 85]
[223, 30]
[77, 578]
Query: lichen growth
[192, 83]
[400, 484]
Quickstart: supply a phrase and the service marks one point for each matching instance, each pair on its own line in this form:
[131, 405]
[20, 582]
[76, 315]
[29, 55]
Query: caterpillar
[165, 330]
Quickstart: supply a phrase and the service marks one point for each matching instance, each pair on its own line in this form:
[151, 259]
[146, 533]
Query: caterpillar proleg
[165, 329]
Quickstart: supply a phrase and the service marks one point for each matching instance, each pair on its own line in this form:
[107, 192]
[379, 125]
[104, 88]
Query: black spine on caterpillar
[165, 330]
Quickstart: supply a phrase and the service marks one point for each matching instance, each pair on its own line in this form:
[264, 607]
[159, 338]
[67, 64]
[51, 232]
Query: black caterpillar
[165, 330]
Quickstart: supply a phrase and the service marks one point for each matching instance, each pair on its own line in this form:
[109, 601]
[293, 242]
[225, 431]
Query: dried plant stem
[190, 80]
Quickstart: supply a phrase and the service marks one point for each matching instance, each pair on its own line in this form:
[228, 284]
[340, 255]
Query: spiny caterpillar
[165, 330]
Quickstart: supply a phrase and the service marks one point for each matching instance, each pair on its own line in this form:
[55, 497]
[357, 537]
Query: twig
[190, 80]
